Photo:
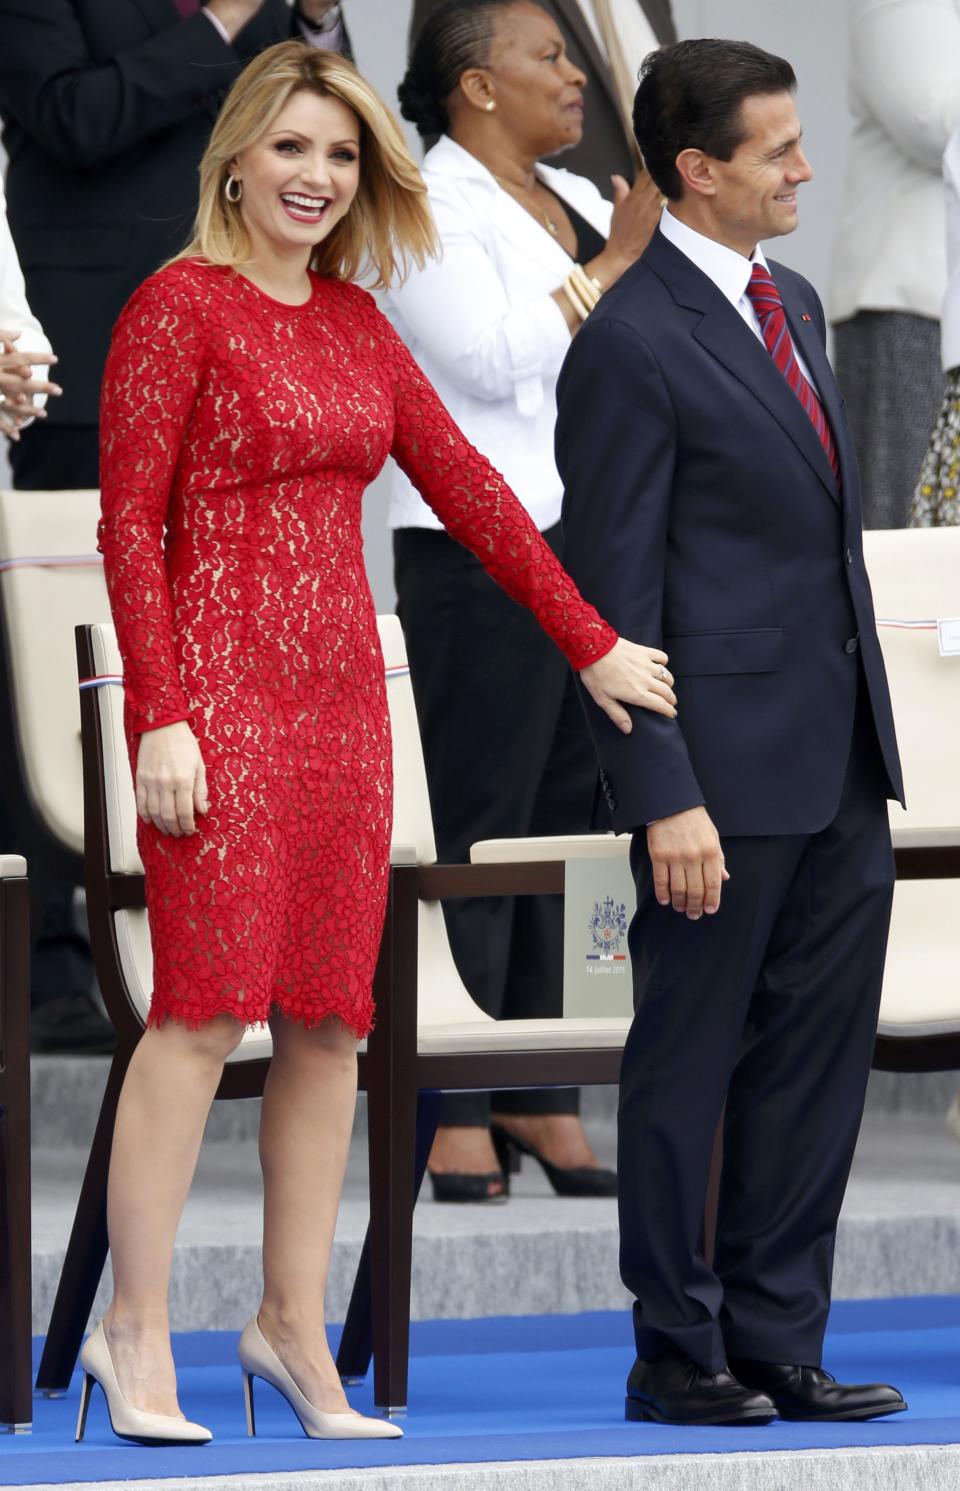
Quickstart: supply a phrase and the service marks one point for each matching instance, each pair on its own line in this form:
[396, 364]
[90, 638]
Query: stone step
[899, 1234]
[67, 1090]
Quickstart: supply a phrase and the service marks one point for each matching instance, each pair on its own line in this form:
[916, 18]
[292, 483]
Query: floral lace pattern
[238, 436]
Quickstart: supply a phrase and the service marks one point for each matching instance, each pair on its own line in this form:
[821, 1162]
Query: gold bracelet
[573, 295]
[590, 289]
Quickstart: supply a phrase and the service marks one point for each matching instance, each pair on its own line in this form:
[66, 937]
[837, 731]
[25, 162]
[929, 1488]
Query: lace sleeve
[149, 388]
[477, 508]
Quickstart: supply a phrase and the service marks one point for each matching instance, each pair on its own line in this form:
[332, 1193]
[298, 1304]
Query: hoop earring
[235, 195]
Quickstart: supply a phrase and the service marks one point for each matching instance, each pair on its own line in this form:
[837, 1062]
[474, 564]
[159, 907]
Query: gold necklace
[511, 186]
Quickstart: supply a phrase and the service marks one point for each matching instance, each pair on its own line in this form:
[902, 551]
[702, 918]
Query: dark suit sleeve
[616, 443]
[85, 111]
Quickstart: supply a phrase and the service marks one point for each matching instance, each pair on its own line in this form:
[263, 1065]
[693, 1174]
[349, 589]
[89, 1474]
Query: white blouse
[904, 84]
[15, 313]
[482, 323]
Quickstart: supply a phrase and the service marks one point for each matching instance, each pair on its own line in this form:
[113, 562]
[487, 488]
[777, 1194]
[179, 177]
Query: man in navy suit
[712, 503]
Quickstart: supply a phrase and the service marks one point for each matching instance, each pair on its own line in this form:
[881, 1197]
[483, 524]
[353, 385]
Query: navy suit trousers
[770, 1008]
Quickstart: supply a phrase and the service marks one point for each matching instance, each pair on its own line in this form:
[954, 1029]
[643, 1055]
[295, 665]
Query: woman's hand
[636, 213]
[630, 674]
[171, 779]
[18, 385]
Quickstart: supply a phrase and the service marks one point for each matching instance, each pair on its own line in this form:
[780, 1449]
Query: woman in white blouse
[24, 349]
[889, 267]
[527, 250]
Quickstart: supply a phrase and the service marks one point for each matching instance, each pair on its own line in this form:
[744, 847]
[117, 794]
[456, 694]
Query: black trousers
[770, 1006]
[55, 458]
[52, 458]
[507, 753]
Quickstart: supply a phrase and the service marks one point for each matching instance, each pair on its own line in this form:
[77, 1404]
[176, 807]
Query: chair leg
[87, 1249]
[16, 1370]
[356, 1342]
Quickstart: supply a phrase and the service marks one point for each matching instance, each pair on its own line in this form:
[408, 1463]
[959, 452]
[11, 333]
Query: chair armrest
[548, 849]
[515, 878]
[12, 867]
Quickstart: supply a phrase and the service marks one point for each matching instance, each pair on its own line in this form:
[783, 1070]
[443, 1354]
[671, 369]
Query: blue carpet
[512, 1388]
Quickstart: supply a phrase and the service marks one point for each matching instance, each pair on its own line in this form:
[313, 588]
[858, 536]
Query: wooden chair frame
[16, 1395]
[928, 1053]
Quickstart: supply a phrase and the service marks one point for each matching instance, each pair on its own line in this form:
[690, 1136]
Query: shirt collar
[728, 270]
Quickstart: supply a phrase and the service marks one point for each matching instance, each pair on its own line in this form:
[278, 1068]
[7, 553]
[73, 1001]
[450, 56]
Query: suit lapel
[573, 17]
[723, 333]
[658, 14]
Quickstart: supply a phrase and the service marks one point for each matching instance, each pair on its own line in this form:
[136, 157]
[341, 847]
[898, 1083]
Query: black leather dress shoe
[811, 1393]
[674, 1390]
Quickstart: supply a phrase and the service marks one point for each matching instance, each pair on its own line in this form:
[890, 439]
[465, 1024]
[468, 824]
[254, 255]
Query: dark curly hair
[455, 37]
[690, 98]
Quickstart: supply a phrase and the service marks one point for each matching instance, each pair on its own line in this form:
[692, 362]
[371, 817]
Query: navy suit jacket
[700, 512]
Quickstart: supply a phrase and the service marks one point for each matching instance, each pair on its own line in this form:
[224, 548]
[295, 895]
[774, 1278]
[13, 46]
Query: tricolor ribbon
[100, 680]
[907, 626]
[51, 561]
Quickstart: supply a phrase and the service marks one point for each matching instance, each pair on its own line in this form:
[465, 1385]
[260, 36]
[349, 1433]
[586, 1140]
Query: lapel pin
[804, 317]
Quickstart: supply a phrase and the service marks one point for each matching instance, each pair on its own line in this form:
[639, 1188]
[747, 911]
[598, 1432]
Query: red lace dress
[238, 435]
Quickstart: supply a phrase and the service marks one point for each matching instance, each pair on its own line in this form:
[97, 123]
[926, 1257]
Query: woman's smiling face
[300, 178]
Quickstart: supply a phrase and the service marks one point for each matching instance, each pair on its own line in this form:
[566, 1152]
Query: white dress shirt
[15, 313]
[482, 323]
[904, 85]
[729, 271]
[636, 35]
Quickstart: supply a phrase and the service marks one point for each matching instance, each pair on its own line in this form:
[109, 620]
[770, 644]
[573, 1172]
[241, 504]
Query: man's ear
[696, 171]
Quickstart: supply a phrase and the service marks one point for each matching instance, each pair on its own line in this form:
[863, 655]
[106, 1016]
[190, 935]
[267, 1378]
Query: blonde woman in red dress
[251, 394]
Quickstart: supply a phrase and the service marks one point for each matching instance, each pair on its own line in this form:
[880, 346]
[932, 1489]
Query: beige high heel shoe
[258, 1359]
[126, 1421]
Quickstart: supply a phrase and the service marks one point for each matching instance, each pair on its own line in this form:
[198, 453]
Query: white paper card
[948, 635]
[599, 902]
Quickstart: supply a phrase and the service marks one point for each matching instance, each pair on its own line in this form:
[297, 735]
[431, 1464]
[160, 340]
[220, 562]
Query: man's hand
[233, 15]
[687, 862]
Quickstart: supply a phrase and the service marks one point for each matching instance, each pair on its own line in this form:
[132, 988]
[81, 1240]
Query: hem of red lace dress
[359, 1022]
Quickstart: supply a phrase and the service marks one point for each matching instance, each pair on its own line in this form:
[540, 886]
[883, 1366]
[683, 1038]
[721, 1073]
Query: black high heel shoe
[580, 1180]
[449, 1185]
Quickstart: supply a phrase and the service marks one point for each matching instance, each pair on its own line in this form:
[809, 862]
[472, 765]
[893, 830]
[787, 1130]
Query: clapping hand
[18, 386]
[630, 674]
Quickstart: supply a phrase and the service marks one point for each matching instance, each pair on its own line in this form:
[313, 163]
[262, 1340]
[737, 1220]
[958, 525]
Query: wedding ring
[661, 673]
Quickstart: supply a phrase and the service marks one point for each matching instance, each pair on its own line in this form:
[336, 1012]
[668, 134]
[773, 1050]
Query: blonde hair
[389, 222]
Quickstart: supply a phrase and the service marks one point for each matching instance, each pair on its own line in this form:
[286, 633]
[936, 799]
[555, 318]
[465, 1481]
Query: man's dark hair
[454, 38]
[691, 96]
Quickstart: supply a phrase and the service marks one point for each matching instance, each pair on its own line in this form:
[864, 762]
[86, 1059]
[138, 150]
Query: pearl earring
[490, 106]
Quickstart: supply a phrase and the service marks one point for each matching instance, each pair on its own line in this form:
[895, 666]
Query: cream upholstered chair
[51, 578]
[430, 1034]
[915, 574]
[16, 1394]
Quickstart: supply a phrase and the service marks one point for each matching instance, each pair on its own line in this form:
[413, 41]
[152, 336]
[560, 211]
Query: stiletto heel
[85, 1387]
[258, 1359]
[247, 1379]
[581, 1180]
[126, 1421]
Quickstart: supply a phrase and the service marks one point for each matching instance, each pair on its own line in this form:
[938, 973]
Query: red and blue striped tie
[773, 323]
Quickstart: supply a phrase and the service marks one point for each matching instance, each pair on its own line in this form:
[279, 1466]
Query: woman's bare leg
[305, 1126]
[166, 1096]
